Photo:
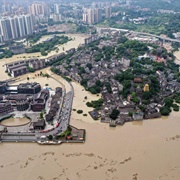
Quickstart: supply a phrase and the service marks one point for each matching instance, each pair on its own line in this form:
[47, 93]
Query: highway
[148, 34]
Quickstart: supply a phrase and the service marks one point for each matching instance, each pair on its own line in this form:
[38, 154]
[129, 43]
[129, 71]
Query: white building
[21, 24]
[56, 9]
[14, 27]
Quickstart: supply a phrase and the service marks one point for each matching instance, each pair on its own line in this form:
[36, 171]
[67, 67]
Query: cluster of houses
[21, 67]
[55, 105]
[29, 97]
[105, 71]
[100, 70]
[167, 83]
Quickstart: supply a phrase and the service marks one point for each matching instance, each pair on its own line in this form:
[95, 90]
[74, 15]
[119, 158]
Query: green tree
[165, 111]
[168, 102]
[146, 95]
[79, 111]
[41, 115]
[50, 137]
[114, 114]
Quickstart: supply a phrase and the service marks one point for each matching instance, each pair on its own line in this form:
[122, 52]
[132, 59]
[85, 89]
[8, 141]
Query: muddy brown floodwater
[15, 121]
[145, 150]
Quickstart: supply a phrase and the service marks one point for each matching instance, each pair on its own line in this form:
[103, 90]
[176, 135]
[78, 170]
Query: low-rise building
[5, 107]
[17, 49]
[39, 102]
[29, 88]
[39, 125]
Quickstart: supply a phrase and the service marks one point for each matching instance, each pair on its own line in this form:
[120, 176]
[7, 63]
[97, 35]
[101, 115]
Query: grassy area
[156, 23]
[48, 46]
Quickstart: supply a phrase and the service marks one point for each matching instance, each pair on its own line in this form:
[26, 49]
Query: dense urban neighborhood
[137, 79]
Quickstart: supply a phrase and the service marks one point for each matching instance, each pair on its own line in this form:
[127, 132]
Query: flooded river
[148, 151]
[145, 150]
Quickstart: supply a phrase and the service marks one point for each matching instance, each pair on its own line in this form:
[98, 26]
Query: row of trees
[169, 103]
[46, 47]
[5, 53]
[95, 104]
[131, 49]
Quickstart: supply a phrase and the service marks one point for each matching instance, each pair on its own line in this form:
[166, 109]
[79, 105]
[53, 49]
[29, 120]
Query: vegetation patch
[79, 111]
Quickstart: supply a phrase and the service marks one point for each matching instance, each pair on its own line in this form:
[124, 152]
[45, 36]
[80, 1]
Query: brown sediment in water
[144, 150]
[15, 121]
[177, 55]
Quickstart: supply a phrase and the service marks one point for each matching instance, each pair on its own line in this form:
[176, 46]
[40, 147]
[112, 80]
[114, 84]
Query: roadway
[63, 115]
[147, 34]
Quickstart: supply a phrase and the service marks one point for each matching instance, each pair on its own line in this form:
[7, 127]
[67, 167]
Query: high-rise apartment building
[92, 16]
[56, 9]
[29, 24]
[97, 15]
[39, 9]
[85, 17]
[7, 8]
[5, 29]
[22, 27]
[16, 27]
[108, 12]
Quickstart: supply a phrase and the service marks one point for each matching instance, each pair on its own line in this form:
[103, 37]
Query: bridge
[148, 34]
[156, 36]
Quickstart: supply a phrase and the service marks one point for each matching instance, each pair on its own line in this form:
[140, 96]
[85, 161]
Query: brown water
[147, 150]
[14, 121]
[177, 55]
[144, 150]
